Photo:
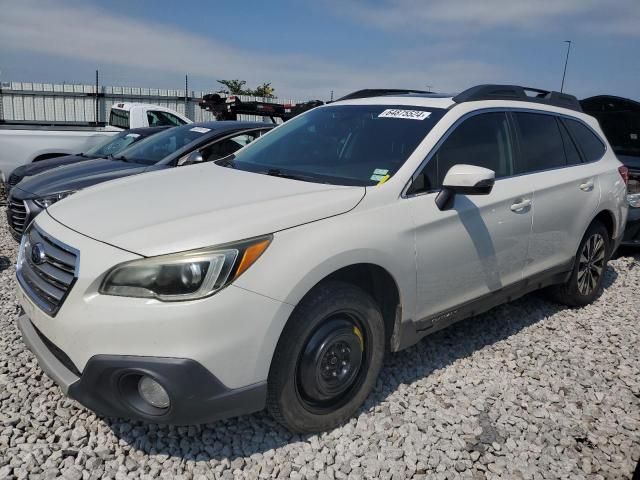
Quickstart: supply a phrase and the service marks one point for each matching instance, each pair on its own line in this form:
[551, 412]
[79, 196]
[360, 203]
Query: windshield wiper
[121, 158]
[276, 172]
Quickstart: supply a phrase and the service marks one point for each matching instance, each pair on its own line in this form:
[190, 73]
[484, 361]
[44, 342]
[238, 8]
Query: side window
[482, 140]
[591, 146]
[541, 146]
[153, 119]
[158, 119]
[570, 150]
[173, 119]
[227, 146]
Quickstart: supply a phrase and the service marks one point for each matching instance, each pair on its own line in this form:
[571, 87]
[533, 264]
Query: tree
[265, 90]
[234, 87]
[237, 87]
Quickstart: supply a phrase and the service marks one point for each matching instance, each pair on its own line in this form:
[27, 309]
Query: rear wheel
[327, 359]
[590, 264]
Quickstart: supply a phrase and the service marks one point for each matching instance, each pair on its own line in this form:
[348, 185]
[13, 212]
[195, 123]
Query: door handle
[520, 205]
[587, 186]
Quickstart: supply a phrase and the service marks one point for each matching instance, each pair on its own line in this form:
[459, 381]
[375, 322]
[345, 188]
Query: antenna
[566, 61]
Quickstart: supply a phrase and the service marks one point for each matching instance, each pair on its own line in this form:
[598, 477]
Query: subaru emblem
[38, 255]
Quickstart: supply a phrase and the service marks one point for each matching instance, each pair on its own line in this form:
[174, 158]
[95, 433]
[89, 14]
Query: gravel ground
[528, 390]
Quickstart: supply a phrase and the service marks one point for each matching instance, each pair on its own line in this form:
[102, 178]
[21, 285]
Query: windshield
[341, 144]
[113, 145]
[153, 149]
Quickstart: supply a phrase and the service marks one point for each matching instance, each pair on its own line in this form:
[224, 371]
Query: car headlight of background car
[633, 192]
[184, 276]
[49, 200]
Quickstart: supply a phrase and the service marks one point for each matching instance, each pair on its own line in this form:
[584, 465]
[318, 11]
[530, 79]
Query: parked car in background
[281, 275]
[111, 146]
[620, 122]
[178, 146]
[27, 142]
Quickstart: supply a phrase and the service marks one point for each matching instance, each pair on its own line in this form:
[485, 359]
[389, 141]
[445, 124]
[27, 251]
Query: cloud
[460, 17]
[80, 32]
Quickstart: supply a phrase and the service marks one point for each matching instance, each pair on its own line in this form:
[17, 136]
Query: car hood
[198, 206]
[34, 168]
[77, 176]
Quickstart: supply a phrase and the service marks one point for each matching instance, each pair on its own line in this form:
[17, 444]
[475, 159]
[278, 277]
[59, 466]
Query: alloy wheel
[591, 264]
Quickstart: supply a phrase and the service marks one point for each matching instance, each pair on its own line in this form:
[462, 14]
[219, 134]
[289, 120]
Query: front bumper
[104, 386]
[231, 336]
[632, 230]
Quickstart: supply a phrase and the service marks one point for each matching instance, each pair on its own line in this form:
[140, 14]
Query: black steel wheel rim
[591, 264]
[333, 363]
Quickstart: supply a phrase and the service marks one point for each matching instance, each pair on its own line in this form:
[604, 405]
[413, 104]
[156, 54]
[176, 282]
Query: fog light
[634, 200]
[153, 393]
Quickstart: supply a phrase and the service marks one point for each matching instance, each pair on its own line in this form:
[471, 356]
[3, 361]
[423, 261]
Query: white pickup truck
[25, 143]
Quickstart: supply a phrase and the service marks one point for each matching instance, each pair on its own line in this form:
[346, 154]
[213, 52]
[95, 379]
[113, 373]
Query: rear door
[479, 246]
[566, 189]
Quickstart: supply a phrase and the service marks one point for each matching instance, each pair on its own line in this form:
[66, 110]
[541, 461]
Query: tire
[327, 359]
[590, 264]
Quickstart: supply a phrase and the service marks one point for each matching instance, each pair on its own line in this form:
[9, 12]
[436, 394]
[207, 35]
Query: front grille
[18, 215]
[13, 180]
[46, 270]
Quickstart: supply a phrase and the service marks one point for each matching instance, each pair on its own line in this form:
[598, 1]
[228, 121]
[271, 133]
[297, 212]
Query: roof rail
[378, 92]
[521, 94]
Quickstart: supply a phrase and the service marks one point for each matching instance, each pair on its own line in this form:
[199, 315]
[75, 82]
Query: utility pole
[186, 95]
[97, 87]
[566, 61]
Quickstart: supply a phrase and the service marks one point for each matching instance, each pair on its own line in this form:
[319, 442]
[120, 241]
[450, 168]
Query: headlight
[183, 276]
[633, 192]
[46, 202]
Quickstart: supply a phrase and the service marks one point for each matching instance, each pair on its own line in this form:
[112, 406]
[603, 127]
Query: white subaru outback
[281, 276]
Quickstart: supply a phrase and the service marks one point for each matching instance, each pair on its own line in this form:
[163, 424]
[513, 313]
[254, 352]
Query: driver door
[479, 246]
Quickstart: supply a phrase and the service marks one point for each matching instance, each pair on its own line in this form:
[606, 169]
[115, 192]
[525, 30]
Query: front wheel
[327, 359]
[585, 283]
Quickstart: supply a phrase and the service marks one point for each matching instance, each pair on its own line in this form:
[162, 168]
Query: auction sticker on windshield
[406, 114]
[200, 129]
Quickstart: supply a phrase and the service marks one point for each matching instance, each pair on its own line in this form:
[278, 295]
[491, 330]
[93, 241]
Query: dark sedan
[175, 147]
[112, 146]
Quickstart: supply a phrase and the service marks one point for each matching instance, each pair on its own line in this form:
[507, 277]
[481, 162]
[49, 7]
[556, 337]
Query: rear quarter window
[540, 140]
[591, 146]
[119, 118]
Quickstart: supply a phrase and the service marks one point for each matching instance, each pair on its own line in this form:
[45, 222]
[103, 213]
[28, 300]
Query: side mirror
[193, 157]
[467, 180]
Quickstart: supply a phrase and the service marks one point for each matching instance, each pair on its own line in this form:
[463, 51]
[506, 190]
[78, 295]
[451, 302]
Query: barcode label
[406, 114]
